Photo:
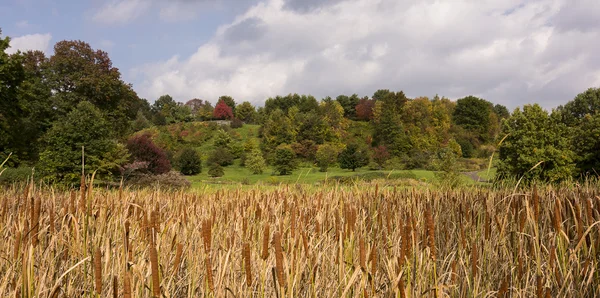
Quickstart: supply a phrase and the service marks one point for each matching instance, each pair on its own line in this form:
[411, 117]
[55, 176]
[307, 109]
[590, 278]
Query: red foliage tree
[222, 111]
[142, 149]
[380, 155]
[364, 109]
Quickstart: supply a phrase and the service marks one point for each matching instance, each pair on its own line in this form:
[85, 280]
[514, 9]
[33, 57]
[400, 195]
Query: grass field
[300, 241]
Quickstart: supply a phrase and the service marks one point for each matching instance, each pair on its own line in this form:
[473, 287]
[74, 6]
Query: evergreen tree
[189, 162]
[284, 159]
[255, 162]
[353, 158]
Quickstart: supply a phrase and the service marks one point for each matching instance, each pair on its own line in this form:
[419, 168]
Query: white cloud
[39, 42]
[121, 11]
[507, 51]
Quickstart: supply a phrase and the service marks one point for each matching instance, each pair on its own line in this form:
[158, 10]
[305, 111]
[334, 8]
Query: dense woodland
[52, 106]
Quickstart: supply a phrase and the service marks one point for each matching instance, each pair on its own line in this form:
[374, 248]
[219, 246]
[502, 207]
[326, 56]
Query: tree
[140, 122]
[380, 155]
[278, 129]
[215, 171]
[82, 127]
[245, 112]
[222, 111]
[195, 105]
[255, 162]
[583, 104]
[284, 160]
[143, 149]
[586, 144]
[11, 76]
[473, 114]
[220, 156]
[228, 100]
[353, 158]
[205, 112]
[364, 109]
[76, 72]
[446, 164]
[536, 146]
[189, 162]
[348, 103]
[327, 155]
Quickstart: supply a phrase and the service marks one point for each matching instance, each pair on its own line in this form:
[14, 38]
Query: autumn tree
[364, 109]
[222, 111]
[143, 149]
[245, 112]
[229, 101]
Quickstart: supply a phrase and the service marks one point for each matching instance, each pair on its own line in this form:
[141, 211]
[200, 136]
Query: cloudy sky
[510, 52]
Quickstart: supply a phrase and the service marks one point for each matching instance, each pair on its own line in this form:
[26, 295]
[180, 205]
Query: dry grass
[294, 242]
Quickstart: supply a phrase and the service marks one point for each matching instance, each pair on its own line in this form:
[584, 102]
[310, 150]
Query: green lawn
[236, 174]
[487, 175]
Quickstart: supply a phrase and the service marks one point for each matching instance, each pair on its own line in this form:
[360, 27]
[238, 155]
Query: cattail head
[115, 287]
[430, 232]
[474, 259]
[247, 264]
[98, 270]
[265, 242]
[362, 254]
[126, 285]
[177, 258]
[206, 234]
[154, 268]
[278, 257]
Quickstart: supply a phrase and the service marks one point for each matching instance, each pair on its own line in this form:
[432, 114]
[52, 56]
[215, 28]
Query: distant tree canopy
[44, 99]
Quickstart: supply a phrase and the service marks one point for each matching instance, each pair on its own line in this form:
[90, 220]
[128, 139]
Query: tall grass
[359, 241]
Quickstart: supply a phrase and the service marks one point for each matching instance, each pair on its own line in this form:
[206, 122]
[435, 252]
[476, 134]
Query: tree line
[52, 106]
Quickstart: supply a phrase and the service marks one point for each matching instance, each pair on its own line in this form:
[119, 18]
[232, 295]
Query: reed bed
[366, 241]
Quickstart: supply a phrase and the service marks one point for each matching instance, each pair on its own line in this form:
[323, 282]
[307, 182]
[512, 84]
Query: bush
[255, 162]
[171, 179]
[143, 149]
[189, 162]
[285, 160]
[15, 175]
[236, 123]
[327, 155]
[352, 158]
[220, 156]
[215, 171]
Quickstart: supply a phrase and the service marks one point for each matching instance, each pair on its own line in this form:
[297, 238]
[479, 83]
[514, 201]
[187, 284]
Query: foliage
[222, 111]
[255, 162]
[447, 166]
[380, 155]
[246, 112]
[364, 109]
[583, 104]
[236, 123]
[327, 155]
[284, 160]
[221, 156]
[215, 170]
[15, 175]
[169, 180]
[228, 100]
[353, 157]
[586, 145]
[140, 122]
[189, 162]
[143, 149]
[536, 146]
[84, 126]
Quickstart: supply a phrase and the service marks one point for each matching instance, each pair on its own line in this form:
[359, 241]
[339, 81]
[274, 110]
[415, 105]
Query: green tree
[255, 162]
[536, 146]
[278, 129]
[76, 72]
[84, 126]
[327, 155]
[284, 159]
[220, 156]
[583, 104]
[245, 112]
[215, 171]
[189, 162]
[140, 122]
[446, 164]
[11, 76]
[228, 100]
[473, 114]
[353, 158]
[586, 144]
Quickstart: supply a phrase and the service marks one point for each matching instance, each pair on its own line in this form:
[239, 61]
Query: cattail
[293, 223]
[430, 233]
[126, 286]
[588, 211]
[401, 288]
[539, 287]
[247, 264]
[503, 288]
[52, 227]
[36, 220]
[536, 203]
[265, 243]
[177, 258]
[278, 258]
[115, 287]
[305, 242]
[362, 254]
[155, 224]
[474, 259]
[98, 270]
[17, 245]
[206, 235]
[374, 259]
[552, 257]
[154, 267]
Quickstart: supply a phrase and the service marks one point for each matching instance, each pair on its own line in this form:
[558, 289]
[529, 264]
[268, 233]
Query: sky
[510, 52]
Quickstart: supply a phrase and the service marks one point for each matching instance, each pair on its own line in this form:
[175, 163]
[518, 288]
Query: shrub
[284, 159]
[255, 162]
[236, 123]
[220, 156]
[380, 155]
[143, 149]
[352, 158]
[327, 155]
[215, 171]
[189, 162]
[15, 175]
